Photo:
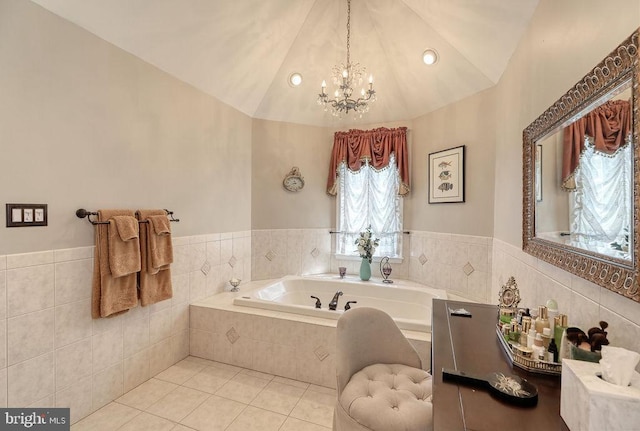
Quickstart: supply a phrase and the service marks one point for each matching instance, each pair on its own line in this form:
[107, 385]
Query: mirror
[581, 194]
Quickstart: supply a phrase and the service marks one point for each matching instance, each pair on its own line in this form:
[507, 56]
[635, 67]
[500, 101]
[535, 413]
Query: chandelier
[345, 77]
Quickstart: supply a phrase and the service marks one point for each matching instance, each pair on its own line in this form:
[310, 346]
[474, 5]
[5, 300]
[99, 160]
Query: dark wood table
[471, 345]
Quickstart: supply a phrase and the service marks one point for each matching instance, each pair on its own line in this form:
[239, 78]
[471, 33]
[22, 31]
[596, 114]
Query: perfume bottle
[524, 331]
[542, 321]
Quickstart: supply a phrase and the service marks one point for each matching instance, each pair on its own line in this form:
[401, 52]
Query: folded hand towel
[124, 246]
[159, 240]
[110, 295]
[155, 283]
[160, 223]
[127, 226]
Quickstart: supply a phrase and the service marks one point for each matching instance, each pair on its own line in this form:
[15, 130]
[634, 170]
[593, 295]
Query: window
[369, 197]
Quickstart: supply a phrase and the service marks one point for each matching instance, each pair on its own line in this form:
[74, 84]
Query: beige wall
[84, 124]
[564, 41]
[469, 122]
[277, 147]
[552, 212]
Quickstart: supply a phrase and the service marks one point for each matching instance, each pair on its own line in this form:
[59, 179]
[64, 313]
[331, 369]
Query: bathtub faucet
[334, 302]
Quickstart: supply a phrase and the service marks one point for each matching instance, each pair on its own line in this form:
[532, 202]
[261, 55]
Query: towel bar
[404, 232]
[82, 213]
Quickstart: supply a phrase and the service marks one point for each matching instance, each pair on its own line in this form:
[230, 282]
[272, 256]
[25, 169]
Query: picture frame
[538, 173]
[446, 176]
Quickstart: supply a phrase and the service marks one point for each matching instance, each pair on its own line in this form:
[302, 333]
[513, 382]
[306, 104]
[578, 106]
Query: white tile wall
[584, 302]
[446, 256]
[52, 352]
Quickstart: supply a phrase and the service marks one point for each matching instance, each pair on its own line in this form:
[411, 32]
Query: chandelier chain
[348, 32]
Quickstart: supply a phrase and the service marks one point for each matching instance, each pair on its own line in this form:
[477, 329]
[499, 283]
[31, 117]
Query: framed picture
[538, 173]
[446, 176]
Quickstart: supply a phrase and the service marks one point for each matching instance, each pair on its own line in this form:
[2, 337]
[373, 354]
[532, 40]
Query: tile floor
[197, 394]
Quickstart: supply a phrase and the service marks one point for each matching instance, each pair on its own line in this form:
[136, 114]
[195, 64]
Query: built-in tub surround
[407, 302]
[296, 346]
[52, 353]
[460, 264]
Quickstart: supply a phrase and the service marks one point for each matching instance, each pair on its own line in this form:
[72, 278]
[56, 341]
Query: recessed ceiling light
[295, 79]
[430, 56]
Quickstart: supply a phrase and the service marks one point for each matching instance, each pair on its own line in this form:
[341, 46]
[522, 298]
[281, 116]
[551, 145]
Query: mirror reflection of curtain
[601, 213]
[608, 125]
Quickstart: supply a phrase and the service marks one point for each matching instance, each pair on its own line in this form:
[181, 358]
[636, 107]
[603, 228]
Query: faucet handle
[347, 306]
[318, 303]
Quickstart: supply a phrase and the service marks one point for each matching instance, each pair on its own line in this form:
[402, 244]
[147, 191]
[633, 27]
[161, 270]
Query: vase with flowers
[366, 248]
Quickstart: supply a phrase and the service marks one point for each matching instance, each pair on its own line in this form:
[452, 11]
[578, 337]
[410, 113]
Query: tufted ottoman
[385, 397]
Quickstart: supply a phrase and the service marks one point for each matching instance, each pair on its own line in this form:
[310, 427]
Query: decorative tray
[528, 364]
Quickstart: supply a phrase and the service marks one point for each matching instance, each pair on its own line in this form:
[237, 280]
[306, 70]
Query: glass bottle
[542, 321]
[553, 351]
[560, 325]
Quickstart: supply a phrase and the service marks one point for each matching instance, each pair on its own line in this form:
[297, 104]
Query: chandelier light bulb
[370, 79]
[345, 73]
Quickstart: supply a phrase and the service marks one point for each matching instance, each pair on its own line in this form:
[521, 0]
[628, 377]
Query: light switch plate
[16, 215]
[21, 215]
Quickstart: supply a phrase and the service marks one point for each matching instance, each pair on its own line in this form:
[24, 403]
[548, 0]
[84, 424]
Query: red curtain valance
[377, 145]
[609, 125]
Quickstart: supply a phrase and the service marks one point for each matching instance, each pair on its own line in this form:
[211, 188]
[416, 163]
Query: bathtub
[408, 303]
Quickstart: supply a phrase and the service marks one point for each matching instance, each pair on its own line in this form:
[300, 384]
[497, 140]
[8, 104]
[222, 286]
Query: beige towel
[124, 245]
[160, 247]
[110, 295]
[155, 283]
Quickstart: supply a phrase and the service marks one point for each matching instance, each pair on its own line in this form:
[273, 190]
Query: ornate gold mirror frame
[618, 275]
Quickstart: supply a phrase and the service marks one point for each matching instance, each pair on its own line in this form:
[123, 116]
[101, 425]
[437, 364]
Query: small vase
[365, 270]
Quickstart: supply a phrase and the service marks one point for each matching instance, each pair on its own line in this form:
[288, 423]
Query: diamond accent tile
[315, 252]
[232, 335]
[232, 262]
[423, 259]
[321, 353]
[206, 267]
[270, 255]
[468, 269]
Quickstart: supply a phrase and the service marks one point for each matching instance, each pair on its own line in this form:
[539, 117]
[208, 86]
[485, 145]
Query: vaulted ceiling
[243, 51]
